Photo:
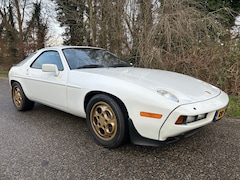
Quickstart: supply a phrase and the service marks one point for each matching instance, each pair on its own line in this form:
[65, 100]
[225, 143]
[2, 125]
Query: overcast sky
[55, 31]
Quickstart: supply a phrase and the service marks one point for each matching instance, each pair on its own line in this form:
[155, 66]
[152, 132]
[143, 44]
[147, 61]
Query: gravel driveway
[45, 143]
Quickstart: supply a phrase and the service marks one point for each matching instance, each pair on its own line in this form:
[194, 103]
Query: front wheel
[105, 121]
[20, 101]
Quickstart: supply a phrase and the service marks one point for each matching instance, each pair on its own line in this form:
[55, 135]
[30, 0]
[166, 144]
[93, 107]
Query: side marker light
[150, 115]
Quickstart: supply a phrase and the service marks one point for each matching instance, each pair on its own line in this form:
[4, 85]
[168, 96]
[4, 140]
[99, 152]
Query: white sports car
[120, 102]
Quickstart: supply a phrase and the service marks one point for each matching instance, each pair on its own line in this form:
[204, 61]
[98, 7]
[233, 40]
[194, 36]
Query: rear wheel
[105, 121]
[20, 101]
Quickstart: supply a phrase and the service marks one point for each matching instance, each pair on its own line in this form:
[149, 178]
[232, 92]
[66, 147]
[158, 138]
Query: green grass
[234, 106]
[3, 73]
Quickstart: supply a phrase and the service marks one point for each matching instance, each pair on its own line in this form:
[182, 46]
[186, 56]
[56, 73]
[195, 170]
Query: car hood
[187, 89]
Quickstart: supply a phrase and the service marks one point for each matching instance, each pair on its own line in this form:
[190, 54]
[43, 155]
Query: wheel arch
[22, 86]
[125, 115]
[14, 81]
[119, 101]
[24, 104]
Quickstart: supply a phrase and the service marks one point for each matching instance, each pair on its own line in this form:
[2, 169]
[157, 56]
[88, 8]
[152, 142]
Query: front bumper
[210, 107]
[137, 139]
[154, 132]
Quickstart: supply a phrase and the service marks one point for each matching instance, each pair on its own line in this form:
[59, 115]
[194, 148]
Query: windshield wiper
[120, 65]
[90, 66]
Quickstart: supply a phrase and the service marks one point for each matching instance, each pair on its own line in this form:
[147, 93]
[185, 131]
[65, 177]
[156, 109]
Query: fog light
[202, 116]
[190, 119]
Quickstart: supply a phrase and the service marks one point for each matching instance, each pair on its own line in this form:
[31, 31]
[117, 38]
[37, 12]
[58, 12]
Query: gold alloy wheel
[103, 121]
[17, 97]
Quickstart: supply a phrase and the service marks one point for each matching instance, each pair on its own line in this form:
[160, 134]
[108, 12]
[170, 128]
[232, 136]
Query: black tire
[20, 101]
[105, 121]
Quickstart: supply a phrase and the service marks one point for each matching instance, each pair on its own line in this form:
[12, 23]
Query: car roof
[67, 47]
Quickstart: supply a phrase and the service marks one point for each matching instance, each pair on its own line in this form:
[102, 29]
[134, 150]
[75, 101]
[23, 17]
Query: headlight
[168, 95]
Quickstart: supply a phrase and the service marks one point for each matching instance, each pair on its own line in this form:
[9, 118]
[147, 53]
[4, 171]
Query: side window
[48, 57]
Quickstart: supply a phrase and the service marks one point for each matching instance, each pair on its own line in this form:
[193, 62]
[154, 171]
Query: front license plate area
[219, 114]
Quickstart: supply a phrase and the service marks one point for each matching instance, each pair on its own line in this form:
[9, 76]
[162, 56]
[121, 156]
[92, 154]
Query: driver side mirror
[50, 68]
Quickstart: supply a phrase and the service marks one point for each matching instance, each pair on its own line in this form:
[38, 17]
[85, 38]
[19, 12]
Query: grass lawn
[3, 73]
[234, 106]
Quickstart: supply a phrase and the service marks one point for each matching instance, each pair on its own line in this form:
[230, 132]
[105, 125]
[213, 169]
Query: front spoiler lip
[137, 139]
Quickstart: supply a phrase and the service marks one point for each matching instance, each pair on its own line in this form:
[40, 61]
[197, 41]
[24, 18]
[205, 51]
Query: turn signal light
[151, 115]
[180, 120]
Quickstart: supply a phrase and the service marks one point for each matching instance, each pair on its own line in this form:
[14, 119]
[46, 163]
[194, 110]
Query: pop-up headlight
[168, 95]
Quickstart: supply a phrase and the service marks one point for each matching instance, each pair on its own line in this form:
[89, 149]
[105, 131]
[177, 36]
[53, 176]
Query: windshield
[92, 58]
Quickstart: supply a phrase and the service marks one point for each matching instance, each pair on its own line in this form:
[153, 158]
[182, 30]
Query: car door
[47, 87]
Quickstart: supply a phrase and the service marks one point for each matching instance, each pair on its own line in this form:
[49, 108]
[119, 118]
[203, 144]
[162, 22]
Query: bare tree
[178, 35]
[70, 14]
[36, 30]
[21, 28]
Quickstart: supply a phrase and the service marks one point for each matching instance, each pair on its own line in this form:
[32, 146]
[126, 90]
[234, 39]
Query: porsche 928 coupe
[119, 102]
